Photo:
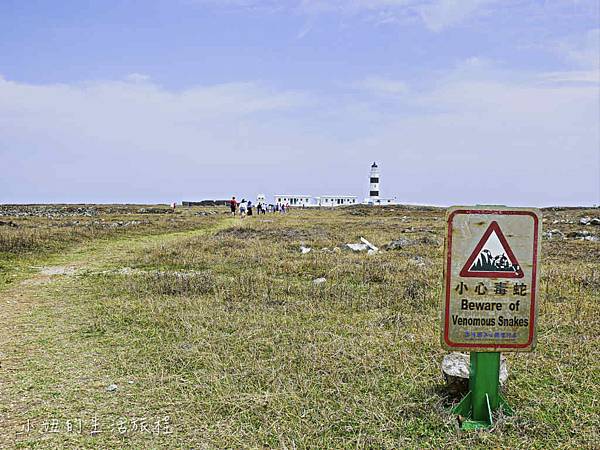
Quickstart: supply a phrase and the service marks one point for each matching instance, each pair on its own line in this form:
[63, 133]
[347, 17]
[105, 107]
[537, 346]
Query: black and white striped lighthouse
[374, 183]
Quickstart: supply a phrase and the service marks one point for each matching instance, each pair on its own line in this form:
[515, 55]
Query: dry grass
[226, 333]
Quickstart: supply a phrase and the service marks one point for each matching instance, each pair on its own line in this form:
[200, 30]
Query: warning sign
[490, 279]
[492, 257]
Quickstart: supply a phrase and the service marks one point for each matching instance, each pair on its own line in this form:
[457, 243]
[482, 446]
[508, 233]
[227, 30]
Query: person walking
[233, 205]
[243, 207]
[250, 205]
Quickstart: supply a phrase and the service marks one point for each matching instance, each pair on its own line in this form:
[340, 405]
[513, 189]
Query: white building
[294, 200]
[323, 200]
[336, 200]
[374, 197]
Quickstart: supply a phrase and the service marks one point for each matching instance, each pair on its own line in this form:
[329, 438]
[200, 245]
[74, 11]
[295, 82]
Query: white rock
[304, 250]
[456, 365]
[319, 280]
[356, 247]
[112, 388]
[368, 244]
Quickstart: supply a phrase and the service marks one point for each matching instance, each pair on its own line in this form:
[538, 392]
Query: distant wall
[207, 203]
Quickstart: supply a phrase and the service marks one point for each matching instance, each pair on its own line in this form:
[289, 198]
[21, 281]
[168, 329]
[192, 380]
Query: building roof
[293, 195]
[337, 196]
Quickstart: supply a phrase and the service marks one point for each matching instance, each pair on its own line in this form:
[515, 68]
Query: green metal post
[484, 380]
[475, 409]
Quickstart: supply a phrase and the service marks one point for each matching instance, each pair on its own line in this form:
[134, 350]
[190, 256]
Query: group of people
[246, 207]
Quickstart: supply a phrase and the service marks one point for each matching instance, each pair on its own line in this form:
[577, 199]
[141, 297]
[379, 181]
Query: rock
[595, 221]
[10, 223]
[399, 244]
[554, 234]
[112, 388]
[304, 250]
[368, 244]
[318, 281]
[429, 240]
[418, 261]
[372, 252]
[578, 234]
[591, 238]
[455, 367]
[585, 220]
[356, 247]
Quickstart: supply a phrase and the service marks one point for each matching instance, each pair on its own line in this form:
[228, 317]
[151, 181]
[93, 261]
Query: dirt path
[24, 332]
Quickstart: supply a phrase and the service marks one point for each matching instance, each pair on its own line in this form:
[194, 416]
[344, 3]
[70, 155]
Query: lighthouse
[374, 183]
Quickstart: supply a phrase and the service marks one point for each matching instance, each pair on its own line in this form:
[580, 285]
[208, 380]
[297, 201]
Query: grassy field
[197, 330]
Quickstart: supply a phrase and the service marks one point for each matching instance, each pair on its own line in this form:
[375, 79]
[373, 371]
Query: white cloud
[476, 134]
[582, 50]
[491, 136]
[437, 15]
[137, 77]
[382, 85]
[441, 14]
[103, 134]
[572, 76]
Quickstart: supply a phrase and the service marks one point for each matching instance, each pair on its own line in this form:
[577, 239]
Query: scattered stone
[399, 244]
[318, 281]
[112, 388]
[591, 238]
[368, 244]
[154, 210]
[126, 271]
[417, 230]
[429, 240]
[356, 247]
[455, 367]
[585, 220]
[578, 234]
[554, 234]
[418, 261]
[595, 221]
[10, 223]
[304, 250]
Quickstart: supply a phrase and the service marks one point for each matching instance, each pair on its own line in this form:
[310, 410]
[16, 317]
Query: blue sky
[460, 101]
